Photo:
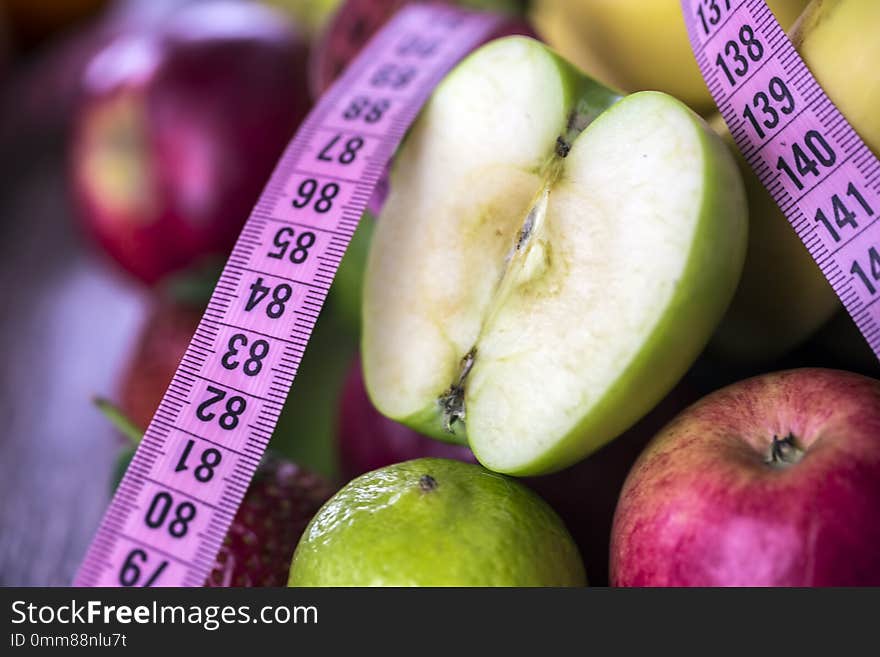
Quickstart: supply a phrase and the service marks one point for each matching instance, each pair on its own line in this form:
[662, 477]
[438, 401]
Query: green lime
[436, 522]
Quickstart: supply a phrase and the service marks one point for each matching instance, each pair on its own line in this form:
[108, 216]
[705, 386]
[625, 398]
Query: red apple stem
[784, 452]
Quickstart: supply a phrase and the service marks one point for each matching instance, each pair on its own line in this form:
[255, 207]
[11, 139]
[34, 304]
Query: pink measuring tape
[818, 170]
[172, 509]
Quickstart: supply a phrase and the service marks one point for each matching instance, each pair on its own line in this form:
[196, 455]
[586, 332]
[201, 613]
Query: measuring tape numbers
[173, 507]
[821, 174]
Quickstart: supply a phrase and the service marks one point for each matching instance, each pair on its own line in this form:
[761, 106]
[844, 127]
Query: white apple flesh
[550, 260]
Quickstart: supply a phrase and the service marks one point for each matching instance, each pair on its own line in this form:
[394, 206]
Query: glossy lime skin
[436, 522]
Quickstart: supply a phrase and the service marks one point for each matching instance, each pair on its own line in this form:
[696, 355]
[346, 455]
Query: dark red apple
[584, 495]
[772, 481]
[47, 85]
[179, 129]
[367, 440]
[356, 21]
[32, 22]
[305, 431]
[154, 359]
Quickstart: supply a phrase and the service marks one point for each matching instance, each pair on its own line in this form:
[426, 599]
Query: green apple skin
[346, 293]
[700, 295]
[306, 428]
[556, 29]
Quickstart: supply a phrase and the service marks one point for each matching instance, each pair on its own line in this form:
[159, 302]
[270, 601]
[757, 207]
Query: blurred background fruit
[783, 298]
[635, 44]
[154, 359]
[179, 130]
[32, 22]
[5, 49]
[355, 21]
[312, 15]
[846, 347]
[45, 84]
[305, 430]
[553, 25]
[347, 289]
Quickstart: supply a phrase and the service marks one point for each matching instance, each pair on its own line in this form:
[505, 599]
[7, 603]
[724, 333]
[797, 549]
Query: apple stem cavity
[578, 119]
[784, 452]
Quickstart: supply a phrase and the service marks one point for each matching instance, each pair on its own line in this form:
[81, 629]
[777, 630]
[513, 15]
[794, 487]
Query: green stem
[119, 420]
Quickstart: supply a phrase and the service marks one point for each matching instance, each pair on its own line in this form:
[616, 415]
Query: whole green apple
[436, 522]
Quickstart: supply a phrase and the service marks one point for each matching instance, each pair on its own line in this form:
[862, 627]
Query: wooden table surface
[66, 322]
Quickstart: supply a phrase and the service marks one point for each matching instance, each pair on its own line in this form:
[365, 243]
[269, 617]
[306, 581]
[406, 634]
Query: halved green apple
[550, 261]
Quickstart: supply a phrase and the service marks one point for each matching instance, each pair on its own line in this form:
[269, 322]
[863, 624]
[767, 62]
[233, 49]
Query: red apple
[179, 129]
[772, 481]
[584, 495]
